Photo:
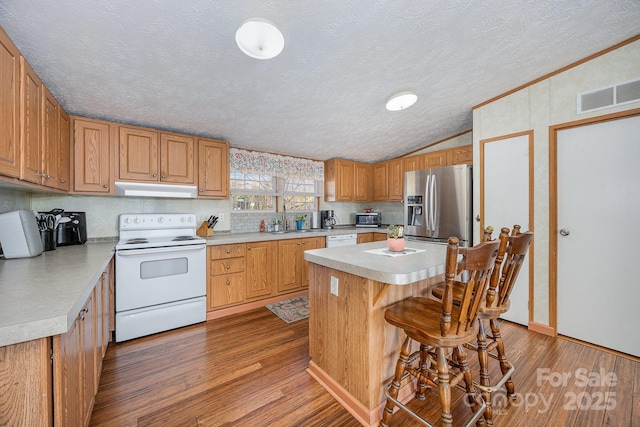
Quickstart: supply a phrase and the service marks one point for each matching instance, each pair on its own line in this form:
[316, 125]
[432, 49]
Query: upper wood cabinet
[31, 146]
[213, 168]
[346, 181]
[92, 156]
[433, 159]
[380, 181]
[410, 163]
[395, 179]
[50, 139]
[147, 155]
[460, 155]
[10, 107]
[64, 151]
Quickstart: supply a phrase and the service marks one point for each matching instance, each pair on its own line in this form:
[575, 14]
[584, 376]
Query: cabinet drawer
[225, 266]
[227, 251]
[226, 289]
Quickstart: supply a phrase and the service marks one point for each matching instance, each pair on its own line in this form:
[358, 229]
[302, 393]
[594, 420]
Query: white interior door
[506, 202]
[598, 203]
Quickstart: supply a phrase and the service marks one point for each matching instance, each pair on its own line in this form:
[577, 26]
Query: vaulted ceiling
[174, 64]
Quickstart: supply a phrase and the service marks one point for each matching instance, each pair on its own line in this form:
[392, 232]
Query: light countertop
[398, 270]
[41, 296]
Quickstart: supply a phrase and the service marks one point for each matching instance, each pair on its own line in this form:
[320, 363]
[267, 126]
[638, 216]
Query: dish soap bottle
[262, 226]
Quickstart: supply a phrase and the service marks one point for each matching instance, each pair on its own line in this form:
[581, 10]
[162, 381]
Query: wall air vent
[610, 96]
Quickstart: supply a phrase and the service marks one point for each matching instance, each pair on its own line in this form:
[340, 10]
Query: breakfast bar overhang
[353, 350]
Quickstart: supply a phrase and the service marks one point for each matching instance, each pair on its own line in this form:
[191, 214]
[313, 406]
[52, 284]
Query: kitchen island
[353, 350]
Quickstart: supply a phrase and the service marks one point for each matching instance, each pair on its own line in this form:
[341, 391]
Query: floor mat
[291, 310]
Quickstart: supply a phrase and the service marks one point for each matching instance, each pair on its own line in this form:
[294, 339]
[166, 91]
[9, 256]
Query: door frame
[553, 201]
[482, 142]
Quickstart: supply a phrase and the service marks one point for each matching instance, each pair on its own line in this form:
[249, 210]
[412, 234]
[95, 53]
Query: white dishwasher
[336, 240]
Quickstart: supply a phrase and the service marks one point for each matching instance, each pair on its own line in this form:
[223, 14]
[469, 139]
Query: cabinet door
[51, 138]
[378, 237]
[411, 163]
[176, 158]
[64, 155]
[88, 357]
[289, 265]
[460, 155]
[395, 175]
[380, 183]
[225, 290]
[67, 379]
[138, 154]
[10, 111]
[362, 177]
[259, 273]
[345, 180]
[433, 160]
[92, 156]
[308, 244]
[365, 237]
[213, 168]
[31, 124]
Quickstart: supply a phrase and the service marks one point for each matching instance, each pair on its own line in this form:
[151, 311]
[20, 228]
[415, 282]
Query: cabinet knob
[201, 190]
[298, 243]
[248, 248]
[228, 282]
[155, 175]
[228, 251]
[228, 267]
[105, 186]
[62, 180]
[163, 176]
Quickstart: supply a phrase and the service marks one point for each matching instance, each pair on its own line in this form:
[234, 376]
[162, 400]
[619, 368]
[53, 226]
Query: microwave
[368, 219]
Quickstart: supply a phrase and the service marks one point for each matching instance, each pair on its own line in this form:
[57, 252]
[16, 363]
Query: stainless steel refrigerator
[438, 204]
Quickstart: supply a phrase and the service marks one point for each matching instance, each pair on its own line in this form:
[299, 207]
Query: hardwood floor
[249, 370]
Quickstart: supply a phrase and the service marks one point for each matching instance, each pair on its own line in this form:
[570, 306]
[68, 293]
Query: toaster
[19, 234]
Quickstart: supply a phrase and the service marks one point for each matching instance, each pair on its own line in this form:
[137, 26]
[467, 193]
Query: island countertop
[41, 296]
[427, 262]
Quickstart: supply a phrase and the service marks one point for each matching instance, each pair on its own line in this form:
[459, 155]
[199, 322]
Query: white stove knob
[160, 219]
[136, 220]
[127, 220]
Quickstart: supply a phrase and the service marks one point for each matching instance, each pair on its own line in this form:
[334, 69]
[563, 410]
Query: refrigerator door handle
[434, 201]
[427, 207]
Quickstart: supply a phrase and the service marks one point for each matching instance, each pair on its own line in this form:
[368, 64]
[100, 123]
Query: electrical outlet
[334, 286]
[221, 217]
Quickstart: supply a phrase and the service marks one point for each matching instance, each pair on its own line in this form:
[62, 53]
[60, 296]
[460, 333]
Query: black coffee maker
[72, 229]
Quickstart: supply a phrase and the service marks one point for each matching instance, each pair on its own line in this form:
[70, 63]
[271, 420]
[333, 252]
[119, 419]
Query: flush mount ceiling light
[259, 38]
[401, 100]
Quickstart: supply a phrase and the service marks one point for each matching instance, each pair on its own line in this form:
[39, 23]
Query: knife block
[204, 230]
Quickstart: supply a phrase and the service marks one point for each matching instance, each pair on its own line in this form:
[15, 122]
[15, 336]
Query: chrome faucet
[284, 216]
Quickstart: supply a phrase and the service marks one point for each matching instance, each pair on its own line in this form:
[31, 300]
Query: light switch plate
[334, 286]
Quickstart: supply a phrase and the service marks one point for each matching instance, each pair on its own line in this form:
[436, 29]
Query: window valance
[274, 164]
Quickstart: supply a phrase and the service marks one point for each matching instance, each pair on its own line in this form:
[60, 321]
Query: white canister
[315, 220]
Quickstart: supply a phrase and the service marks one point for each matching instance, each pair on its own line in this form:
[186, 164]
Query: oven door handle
[133, 252]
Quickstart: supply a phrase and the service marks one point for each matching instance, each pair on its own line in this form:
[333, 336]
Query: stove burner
[137, 240]
[180, 238]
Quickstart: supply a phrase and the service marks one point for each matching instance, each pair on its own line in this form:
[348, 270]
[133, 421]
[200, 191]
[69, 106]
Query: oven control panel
[156, 221]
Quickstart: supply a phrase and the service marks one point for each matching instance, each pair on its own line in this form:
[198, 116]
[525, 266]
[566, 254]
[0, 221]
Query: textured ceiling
[174, 65]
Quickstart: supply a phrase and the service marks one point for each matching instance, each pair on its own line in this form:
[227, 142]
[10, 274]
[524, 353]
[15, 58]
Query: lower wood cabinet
[365, 237]
[225, 284]
[261, 270]
[78, 355]
[53, 381]
[248, 272]
[293, 270]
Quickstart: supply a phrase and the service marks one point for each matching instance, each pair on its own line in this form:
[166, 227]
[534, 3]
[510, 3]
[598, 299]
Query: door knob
[477, 218]
[564, 232]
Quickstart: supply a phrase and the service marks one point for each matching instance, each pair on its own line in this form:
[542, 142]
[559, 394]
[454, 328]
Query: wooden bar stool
[511, 254]
[442, 327]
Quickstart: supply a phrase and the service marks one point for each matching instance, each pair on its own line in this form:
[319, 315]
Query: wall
[102, 211]
[549, 102]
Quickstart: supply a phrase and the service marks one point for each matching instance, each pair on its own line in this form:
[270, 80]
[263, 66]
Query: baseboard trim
[542, 329]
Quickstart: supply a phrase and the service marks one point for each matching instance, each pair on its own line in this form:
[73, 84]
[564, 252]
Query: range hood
[140, 189]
